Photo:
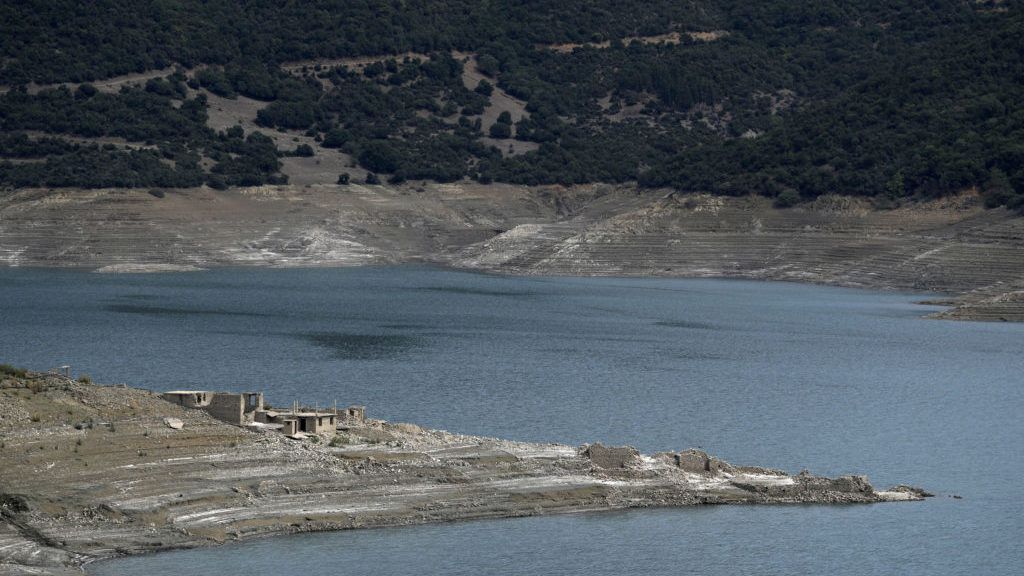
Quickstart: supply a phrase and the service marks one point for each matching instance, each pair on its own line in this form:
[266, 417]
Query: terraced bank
[92, 472]
[953, 246]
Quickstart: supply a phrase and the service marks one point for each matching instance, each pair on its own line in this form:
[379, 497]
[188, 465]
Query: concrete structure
[247, 408]
[188, 398]
[317, 422]
[294, 422]
[237, 409]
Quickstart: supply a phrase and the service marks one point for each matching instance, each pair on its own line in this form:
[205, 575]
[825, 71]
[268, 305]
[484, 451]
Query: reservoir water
[783, 375]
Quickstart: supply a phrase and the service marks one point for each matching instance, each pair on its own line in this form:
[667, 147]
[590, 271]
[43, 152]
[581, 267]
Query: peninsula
[92, 472]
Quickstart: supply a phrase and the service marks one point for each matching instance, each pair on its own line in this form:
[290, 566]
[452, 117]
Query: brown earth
[92, 472]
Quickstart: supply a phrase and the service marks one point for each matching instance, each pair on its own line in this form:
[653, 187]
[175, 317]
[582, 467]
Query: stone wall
[227, 407]
[611, 457]
[698, 461]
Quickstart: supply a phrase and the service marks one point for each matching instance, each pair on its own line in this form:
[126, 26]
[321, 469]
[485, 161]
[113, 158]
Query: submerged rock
[916, 491]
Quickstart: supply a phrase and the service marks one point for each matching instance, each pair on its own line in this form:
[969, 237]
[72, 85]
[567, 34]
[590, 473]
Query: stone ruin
[611, 457]
[248, 409]
[696, 461]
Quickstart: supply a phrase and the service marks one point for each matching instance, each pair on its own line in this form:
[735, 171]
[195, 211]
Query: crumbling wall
[196, 399]
[289, 426]
[698, 462]
[352, 416]
[611, 457]
[228, 408]
[253, 401]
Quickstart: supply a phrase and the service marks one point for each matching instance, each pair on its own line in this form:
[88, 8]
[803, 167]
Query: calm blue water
[785, 375]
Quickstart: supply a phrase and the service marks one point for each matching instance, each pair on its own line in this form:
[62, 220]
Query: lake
[776, 374]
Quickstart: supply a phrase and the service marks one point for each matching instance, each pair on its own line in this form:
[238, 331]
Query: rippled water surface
[785, 375]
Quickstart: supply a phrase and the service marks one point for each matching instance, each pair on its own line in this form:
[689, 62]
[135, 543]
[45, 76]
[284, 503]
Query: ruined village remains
[248, 409]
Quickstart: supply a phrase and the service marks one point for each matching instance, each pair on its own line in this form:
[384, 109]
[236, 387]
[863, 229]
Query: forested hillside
[888, 99]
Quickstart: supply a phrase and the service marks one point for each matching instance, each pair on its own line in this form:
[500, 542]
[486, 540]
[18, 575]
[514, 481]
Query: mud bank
[94, 472]
[952, 246]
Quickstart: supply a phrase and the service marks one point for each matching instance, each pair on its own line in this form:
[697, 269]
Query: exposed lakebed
[793, 376]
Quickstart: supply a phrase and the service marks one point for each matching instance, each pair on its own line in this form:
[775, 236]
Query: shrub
[487, 64]
[335, 138]
[85, 91]
[484, 88]
[500, 130]
[344, 178]
[787, 198]
[9, 370]
[340, 440]
[473, 108]
[13, 503]
[85, 379]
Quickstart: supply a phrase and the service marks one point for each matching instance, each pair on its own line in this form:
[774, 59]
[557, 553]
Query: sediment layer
[953, 246]
[93, 472]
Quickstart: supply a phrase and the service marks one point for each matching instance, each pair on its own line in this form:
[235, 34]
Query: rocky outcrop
[832, 490]
[1002, 307]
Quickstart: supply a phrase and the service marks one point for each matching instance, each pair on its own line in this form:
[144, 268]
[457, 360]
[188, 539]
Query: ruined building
[237, 409]
[247, 409]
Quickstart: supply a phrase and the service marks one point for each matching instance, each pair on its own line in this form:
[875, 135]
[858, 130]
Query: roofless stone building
[247, 409]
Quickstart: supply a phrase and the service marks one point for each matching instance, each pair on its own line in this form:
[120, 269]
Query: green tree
[500, 130]
[997, 190]
[484, 88]
[787, 198]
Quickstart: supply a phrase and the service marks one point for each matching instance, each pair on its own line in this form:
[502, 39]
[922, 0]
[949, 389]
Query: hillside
[892, 101]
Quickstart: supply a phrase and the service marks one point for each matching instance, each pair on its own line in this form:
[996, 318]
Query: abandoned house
[292, 423]
[237, 409]
[247, 409]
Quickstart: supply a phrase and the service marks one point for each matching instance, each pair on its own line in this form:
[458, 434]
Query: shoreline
[954, 247]
[948, 301]
[127, 483]
[488, 518]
